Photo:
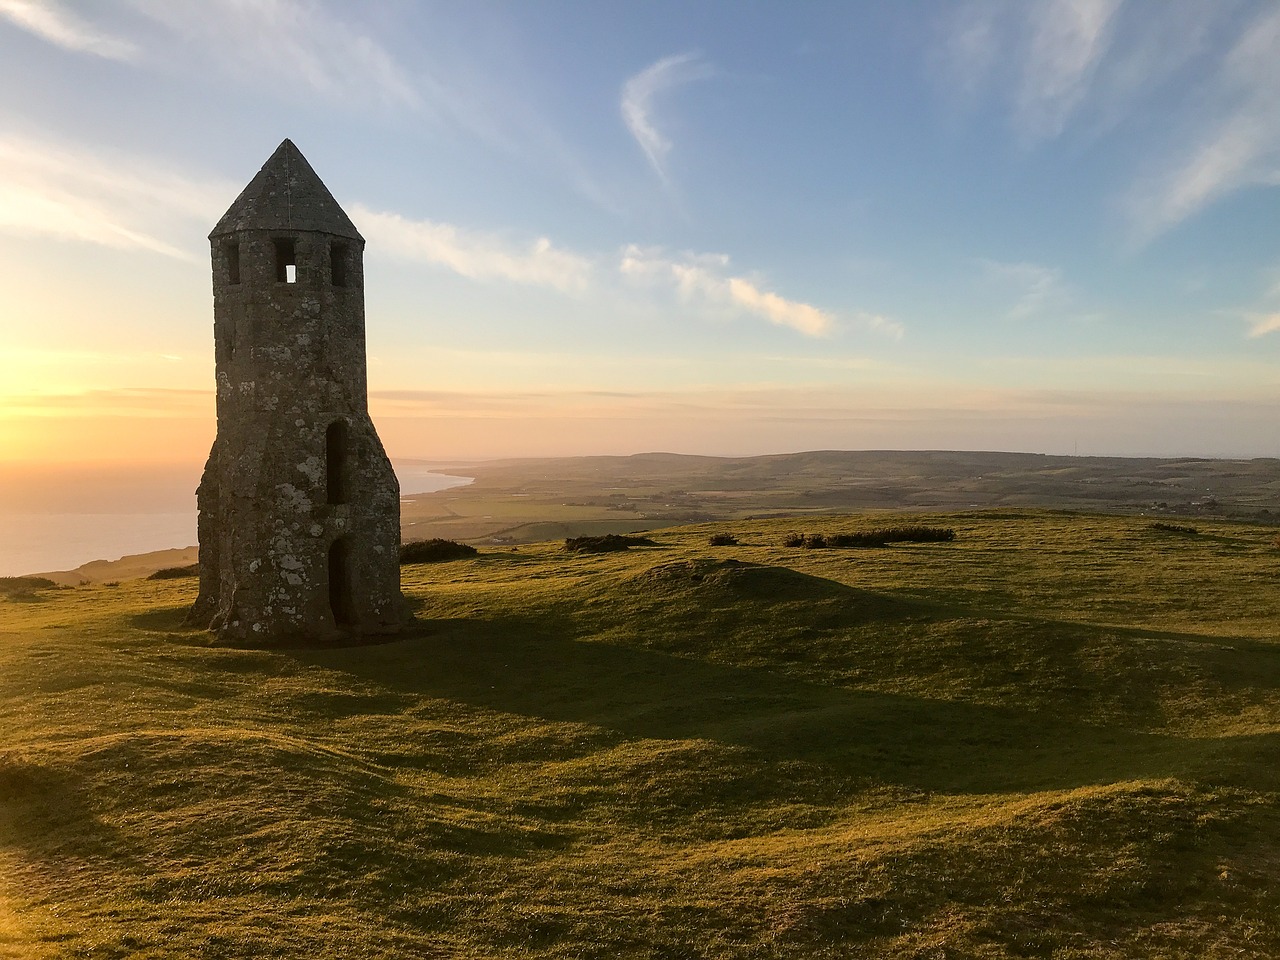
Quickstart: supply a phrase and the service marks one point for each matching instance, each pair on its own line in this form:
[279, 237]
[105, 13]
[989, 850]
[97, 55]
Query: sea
[33, 542]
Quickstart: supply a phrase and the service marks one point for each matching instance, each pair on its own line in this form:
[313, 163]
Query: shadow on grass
[45, 812]
[527, 666]
[547, 663]
[170, 619]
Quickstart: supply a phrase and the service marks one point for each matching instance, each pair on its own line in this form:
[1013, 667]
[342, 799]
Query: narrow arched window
[335, 460]
[231, 258]
[338, 263]
[341, 603]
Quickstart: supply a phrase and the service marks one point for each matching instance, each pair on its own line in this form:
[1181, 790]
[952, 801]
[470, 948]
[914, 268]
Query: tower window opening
[340, 599]
[286, 260]
[338, 263]
[335, 459]
[231, 257]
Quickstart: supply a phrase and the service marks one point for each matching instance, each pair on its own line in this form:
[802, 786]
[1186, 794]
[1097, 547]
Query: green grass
[1056, 736]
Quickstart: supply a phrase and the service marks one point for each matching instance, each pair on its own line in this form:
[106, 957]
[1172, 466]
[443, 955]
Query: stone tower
[299, 509]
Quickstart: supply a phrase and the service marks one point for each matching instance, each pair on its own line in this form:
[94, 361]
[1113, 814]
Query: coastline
[67, 542]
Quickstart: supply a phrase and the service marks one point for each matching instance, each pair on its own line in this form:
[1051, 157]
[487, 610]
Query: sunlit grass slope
[1057, 736]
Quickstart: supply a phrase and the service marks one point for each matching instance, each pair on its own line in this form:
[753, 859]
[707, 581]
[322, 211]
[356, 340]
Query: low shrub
[871, 538]
[1173, 528]
[723, 540]
[176, 573]
[608, 543]
[23, 586]
[435, 551]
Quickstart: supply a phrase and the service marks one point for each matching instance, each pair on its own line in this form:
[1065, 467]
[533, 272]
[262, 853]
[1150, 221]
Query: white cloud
[473, 254]
[49, 21]
[638, 95]
[122, 202]
[705, 278]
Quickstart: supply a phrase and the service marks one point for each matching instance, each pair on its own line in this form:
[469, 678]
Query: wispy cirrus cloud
[126, 202]
[1234, 145]
[301, 46]
[475, 254]
[1042, 56]
[705, 278]
[1068, 39]
[1086, 65]
[51, 21]
[640, 92]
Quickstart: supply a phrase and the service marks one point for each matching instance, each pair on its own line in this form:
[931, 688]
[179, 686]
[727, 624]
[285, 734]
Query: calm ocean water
[37, 542]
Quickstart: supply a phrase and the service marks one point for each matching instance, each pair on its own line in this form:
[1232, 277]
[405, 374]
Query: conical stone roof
[286, 195]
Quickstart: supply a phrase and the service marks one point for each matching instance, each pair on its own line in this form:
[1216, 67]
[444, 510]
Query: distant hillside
[525, 501]
[529, 500]
[126, 568]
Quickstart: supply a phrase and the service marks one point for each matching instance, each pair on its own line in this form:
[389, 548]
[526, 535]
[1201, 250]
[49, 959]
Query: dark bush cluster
[723, 540]
[434, 551]
[1172, 528]
[609, 543]
[176, 573]
[871, 538]
[22, 586]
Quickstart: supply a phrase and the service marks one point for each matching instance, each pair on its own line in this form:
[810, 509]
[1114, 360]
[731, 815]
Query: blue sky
[717, 227]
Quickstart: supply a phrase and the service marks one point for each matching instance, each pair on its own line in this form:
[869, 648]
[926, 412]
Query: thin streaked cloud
[301, 46]
[1068, 39]
[1040, 57]
[1261, 326]
[638, 105]
[125, 202]
[1082, 67]
[52, 22]
[474, 254]
[1033, 288]
[1234, 145]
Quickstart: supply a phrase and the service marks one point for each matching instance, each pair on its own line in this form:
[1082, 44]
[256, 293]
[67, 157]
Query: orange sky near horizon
[160, 426]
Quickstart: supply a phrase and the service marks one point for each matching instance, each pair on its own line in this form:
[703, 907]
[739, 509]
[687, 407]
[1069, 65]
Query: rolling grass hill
[1056, 736]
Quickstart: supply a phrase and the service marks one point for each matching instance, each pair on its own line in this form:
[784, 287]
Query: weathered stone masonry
[299, 523]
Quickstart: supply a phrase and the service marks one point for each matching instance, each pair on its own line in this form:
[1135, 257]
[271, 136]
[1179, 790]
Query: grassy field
[1057, 736]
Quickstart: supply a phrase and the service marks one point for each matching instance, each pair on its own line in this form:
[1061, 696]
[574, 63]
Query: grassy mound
[1049, 739]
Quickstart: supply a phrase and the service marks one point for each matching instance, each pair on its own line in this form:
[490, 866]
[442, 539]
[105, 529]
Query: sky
[726, 227]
